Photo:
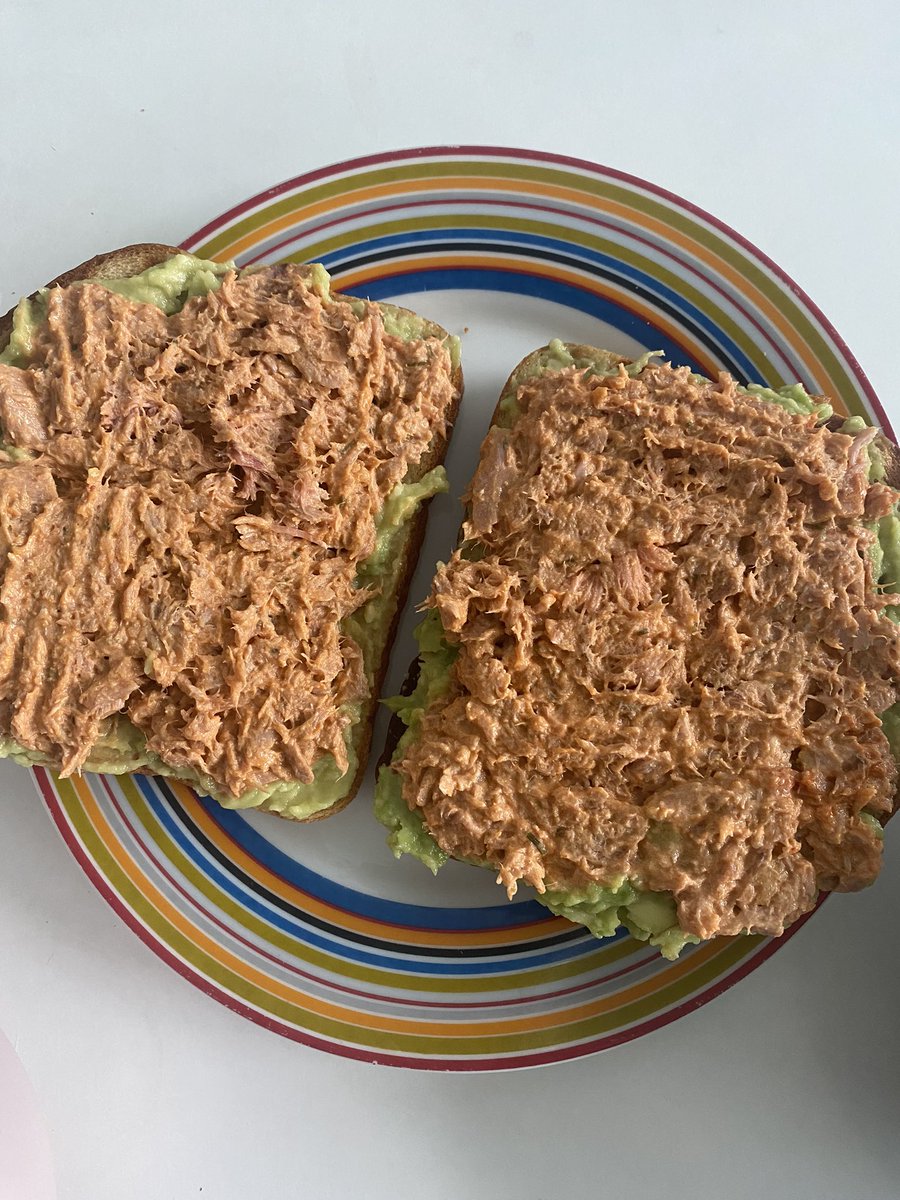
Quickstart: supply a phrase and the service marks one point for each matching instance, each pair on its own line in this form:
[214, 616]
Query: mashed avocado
[27, 317]
[649, 916]
[794, 399]
[407, 832]
[122, 748]
[556, 356]
[168, 285]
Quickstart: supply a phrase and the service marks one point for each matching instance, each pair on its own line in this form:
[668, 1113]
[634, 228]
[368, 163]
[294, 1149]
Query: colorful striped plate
[314, 931]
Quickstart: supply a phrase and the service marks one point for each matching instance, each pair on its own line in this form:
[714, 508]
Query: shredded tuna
[672, 653]
[183, 544]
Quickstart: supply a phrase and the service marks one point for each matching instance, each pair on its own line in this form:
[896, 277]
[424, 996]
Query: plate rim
[505, 1061]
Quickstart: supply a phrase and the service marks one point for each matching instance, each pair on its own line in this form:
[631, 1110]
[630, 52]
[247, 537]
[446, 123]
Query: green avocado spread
[649, 916]
[168, 286]
[407, 833]
[557, 356]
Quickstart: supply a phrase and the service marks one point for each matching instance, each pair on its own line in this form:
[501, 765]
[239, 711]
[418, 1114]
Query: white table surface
[120, 128]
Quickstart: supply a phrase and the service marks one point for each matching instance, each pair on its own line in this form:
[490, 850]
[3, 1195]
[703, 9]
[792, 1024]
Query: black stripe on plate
[352, 935]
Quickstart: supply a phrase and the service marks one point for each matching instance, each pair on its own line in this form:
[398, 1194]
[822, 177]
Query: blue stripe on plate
[482, 279]
[420, 916]
[563, 253]
[501, 963]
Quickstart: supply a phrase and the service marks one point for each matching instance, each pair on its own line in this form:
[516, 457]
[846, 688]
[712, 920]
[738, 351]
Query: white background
[140, 122]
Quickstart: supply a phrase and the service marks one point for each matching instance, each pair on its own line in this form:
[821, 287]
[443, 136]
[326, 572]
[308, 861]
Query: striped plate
[314, 931]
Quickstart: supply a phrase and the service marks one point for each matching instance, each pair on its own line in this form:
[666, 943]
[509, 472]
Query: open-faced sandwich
[211, 489]
[657, 678]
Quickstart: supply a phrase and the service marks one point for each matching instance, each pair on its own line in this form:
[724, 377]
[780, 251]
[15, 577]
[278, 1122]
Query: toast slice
[538, 732]
[164, 277]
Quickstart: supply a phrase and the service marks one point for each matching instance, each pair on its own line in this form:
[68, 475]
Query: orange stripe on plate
[309, 903]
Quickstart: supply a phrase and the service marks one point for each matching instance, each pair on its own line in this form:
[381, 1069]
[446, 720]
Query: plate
[314, 931]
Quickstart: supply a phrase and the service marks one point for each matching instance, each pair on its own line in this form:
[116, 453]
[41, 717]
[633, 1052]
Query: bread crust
[132, 260]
